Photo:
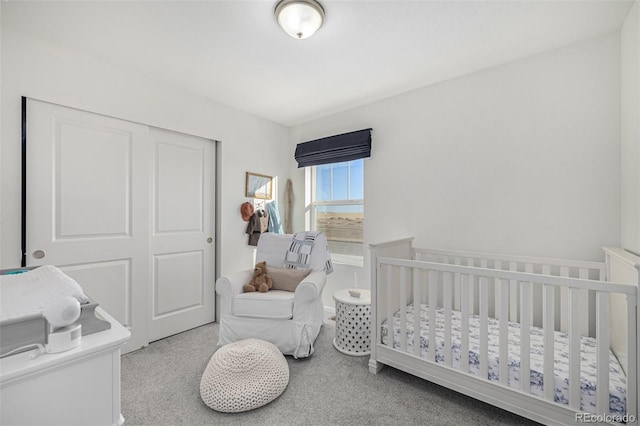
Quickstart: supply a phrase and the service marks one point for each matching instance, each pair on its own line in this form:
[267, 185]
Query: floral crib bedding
[617, 378]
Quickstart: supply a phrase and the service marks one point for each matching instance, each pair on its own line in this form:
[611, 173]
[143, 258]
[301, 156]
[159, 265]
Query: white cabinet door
[115, 205]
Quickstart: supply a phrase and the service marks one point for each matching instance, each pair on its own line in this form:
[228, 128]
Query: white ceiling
[233, 52]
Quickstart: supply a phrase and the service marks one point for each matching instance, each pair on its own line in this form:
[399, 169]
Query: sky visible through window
[347, 184]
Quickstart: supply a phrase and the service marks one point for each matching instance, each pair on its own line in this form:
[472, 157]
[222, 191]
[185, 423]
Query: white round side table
[353, 323]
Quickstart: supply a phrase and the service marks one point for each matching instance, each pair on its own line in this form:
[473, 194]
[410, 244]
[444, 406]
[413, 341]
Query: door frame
[23, 201]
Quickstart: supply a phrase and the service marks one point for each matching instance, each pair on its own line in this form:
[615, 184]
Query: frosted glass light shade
[299, 18]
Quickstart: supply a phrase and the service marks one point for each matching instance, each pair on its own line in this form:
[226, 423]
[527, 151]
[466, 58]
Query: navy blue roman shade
[334, 149]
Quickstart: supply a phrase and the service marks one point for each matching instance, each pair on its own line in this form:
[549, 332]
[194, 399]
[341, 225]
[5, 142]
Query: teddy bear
[261, 281]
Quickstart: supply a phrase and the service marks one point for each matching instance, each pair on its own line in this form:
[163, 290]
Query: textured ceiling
[234, 53]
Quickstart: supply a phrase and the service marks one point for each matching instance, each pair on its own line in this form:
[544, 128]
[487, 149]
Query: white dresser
[77, 387]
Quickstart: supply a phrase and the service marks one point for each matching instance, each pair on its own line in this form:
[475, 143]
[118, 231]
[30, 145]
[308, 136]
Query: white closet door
[182, 239]
[87, 198]
[113, 204]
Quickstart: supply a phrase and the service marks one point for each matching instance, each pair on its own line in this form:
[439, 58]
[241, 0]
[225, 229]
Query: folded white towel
[29, 292]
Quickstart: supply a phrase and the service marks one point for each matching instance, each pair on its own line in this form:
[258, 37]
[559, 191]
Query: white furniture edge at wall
[536, 408]
[77, 387]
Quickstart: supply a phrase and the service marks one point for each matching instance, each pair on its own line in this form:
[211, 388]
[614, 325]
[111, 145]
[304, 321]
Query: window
[336, 205]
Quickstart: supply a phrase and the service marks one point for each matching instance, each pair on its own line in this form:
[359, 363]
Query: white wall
[522, 158]
[37, 69]
[630, 48]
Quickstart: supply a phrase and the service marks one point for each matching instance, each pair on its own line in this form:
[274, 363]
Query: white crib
[581, 319]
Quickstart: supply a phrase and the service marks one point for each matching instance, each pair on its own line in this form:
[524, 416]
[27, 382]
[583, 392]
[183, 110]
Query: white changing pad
[29, 292]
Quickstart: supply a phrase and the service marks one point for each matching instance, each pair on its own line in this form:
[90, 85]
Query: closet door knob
[39, 254]
[209, 240]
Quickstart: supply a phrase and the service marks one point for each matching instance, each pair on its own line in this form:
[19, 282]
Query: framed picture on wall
[259, 186]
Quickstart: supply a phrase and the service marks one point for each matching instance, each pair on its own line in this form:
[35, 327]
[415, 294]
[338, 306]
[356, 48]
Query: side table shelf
[353, 323]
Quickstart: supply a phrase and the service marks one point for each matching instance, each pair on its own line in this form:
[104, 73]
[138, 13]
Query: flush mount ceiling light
[299, 18]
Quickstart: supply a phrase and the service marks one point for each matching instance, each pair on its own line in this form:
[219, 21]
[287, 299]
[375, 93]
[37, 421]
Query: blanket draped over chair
[299, 252]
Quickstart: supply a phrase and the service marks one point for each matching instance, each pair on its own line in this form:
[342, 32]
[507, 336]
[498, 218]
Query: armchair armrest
[231, 285]
[307, 299]
[310, 288]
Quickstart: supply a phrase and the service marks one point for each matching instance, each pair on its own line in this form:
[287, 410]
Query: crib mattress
[617, 379]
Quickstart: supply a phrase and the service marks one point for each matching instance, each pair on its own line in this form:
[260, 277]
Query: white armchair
[289, 320]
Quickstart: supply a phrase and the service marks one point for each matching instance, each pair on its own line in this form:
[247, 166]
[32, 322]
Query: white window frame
[310, 214]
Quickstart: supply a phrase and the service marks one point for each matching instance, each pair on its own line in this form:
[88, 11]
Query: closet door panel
[182, 240]
[87, 204]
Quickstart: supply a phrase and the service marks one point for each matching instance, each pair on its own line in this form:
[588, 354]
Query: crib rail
[541, 265]
[489, 289]
[537, 265]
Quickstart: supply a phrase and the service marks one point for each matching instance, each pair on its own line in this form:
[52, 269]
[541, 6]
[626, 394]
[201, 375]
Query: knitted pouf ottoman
[244, 375]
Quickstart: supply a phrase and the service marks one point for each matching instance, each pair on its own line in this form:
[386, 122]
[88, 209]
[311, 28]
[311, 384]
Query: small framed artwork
[259, 186]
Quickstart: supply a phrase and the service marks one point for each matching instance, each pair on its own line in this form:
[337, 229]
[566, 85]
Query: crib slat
[546, 269]
[447, 300]
[513, 316]
[504, 333]
[564, 301]
[417, 331]
[390, 321]
[601, 274]
[496, 285]
[484, 264]
[528, 268]
[525, 337]
[464, 323]
[403, 309]
[433, 297]
[560, 308]
[574, 348]
[547, 325]
[456, 279]
[583, 273]
[484, 326]
[602, 358]
[473, 300]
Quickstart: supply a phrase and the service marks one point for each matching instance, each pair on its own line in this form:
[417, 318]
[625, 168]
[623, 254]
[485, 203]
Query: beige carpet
[160, 386]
